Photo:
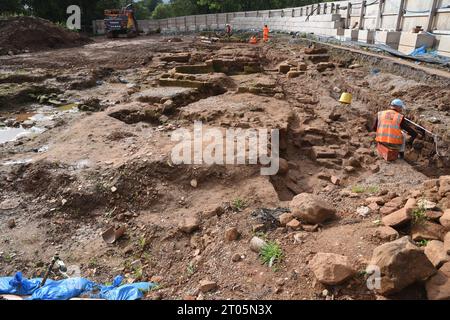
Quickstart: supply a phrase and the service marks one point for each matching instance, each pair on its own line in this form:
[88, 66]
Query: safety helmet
[397, 103]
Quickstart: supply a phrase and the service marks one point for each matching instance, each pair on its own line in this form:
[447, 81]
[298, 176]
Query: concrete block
[406, 49]
[351, 34]
[444, 53]
[366, 36]
[416, 40]
[389, 38]
[444, 46]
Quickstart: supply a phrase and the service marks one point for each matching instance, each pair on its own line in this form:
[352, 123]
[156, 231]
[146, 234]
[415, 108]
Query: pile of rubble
[416, 236]
[28, 34]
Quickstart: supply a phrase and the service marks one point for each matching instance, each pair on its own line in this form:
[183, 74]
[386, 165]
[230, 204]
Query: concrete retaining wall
[326, 19]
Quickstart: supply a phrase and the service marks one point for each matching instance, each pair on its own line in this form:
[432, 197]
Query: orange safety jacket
[388, 129]
[266, 33]
[253, 40]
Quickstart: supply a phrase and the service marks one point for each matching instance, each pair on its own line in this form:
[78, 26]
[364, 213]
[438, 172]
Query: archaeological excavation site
[280, 154]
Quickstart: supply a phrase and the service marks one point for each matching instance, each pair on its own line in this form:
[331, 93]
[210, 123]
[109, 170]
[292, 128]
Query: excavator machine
[121, 21]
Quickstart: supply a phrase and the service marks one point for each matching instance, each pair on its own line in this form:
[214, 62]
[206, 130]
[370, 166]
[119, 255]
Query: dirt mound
[26, 34]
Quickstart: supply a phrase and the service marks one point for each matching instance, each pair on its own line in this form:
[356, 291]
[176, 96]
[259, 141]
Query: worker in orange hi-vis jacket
[390, 126]
[266, 33]
[253, 40]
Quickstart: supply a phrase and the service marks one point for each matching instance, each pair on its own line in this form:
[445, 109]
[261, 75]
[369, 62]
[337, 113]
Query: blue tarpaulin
[71, 288]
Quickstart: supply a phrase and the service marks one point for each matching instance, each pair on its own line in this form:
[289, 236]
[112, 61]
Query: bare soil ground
[77, 171]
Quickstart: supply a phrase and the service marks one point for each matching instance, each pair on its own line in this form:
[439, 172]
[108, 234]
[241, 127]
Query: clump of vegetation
[418, 215]
[373, 189]
[422, 243]
[7, 257]
[358, 189]
[238, 204]
[191, 269]
[362, 189]
[271, 254]
[93, 263]
[260, 234]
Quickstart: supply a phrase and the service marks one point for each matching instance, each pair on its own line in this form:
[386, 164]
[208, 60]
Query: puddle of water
[42, 117]
[10, 134]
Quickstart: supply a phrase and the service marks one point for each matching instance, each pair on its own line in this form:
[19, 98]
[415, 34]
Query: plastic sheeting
[19, 285]
[71, 288]
[419, 54]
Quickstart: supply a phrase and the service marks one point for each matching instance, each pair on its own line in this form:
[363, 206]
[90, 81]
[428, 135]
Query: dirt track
[107, 161]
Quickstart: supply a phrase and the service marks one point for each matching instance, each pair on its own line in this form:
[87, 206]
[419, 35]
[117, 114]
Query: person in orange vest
[391, 125]
[266, 33]
[253, 40]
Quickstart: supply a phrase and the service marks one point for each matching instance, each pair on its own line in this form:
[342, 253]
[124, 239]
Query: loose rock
[445, 220]
[311, 209]
[236, 257]
[401, 264]
[256, 244]
[330, 268]
[363, 211]
[386, 233]
[285, 218]
[435, 252]
[232, 234]
[427, 231]
[11, 223]
[207, 286]
[189, 224]
[447, 243]
[438, 286]
[400, 217]
[294, 224]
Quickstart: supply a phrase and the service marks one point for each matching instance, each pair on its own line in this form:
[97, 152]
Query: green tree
[162, 11]
[11, 6]
[185, 7]
[151, 4]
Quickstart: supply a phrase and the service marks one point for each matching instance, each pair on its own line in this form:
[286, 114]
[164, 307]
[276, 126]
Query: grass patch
[418, 215]
[93, 263]
[373, 189]
[138, 273]
[362, 189]
[238, 204]
[358, 189]
[7, 257]
[271, 254]
[191, 269]
[142, 242]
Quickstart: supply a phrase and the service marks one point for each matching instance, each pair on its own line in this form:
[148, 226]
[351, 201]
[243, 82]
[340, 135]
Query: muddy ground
[86, 144]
